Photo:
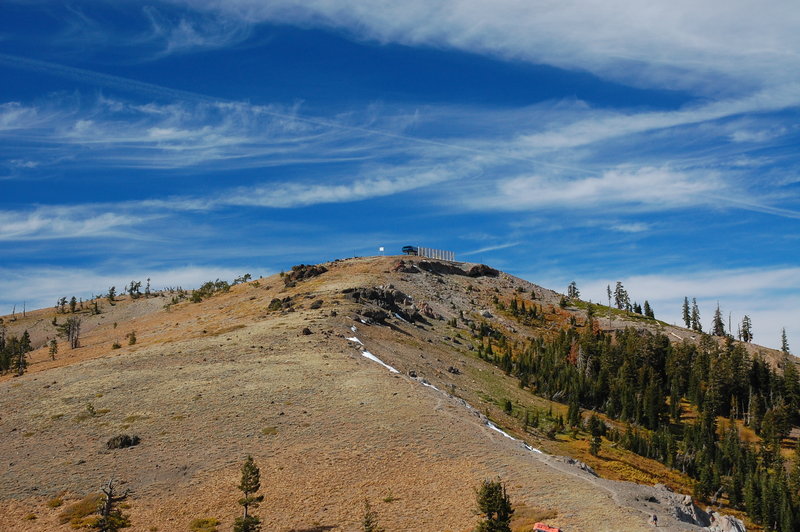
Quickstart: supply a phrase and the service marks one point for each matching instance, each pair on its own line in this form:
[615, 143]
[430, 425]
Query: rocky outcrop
[440, 268]
[402, 266]
[428, 312]
[381, 303]
[725, 523]
[683, 508]
[301, 272]
[482, 270]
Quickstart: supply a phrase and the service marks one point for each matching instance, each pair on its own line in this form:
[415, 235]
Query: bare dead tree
[111, 517]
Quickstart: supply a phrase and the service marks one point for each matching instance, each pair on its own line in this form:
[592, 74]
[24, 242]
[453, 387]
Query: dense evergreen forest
[669, 398]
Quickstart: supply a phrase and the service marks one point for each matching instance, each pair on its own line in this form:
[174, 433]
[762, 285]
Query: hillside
[277, 368]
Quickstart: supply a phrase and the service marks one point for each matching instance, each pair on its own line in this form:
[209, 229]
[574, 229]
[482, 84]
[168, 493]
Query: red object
[541, 527]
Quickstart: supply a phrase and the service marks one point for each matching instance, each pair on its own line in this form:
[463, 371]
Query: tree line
[648, 383]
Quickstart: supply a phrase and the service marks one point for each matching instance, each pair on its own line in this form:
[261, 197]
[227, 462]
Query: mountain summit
[401, 380]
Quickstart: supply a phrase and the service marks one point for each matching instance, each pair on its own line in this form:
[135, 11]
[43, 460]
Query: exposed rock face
[440, 268]
[482, 270]
[384, 302]
[683, 508]
[301, 272]
[725, 523]
[402, 266]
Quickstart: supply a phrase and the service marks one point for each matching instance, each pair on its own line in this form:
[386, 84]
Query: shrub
[204, 524]
[131, 337]
[77, 513]
[115, 345]
[55, 502]
[121, 441]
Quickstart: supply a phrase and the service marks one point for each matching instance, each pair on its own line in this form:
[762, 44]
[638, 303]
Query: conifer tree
[249, 485]
[648, 310]
[695, 318]
[784, 342]
[494, 505]
[746, 331]
[686, 317]
[574, 411]
[718, 327]
[572, 291]
[22, 350]
[53, 351]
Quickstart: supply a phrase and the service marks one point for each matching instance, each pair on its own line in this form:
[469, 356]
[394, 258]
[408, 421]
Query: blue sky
[185, 141]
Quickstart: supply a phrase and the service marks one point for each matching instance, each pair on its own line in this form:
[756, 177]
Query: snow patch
[399, 317]
[372, 357]
[353, 328]
[356, 340]
[510, 437]
[429, 385]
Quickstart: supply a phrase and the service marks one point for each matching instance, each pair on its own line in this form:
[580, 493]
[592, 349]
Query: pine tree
[784, 342]
[574, 411]
[746, 331]
[22, 349]
[695, 318]
[648, 310]
[53, 351]
[686, 317]
[572, 291]
[718, 327]
[494, 505]
[249, 485]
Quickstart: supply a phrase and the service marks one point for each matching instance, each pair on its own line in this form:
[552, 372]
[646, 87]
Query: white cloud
[197, 33]
[680, 44]
[635, 227]
[586, 126]
[488, 249]
[63, 222]
[654, 188]
[284, 195]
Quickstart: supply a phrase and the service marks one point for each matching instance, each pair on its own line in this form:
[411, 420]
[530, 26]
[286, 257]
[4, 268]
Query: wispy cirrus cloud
[60, 222]
[487, 249]
[680, 45]
[653, 188]
[189, 32]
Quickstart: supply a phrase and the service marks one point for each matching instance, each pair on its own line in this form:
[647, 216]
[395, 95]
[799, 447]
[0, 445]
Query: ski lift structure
[430, 253]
